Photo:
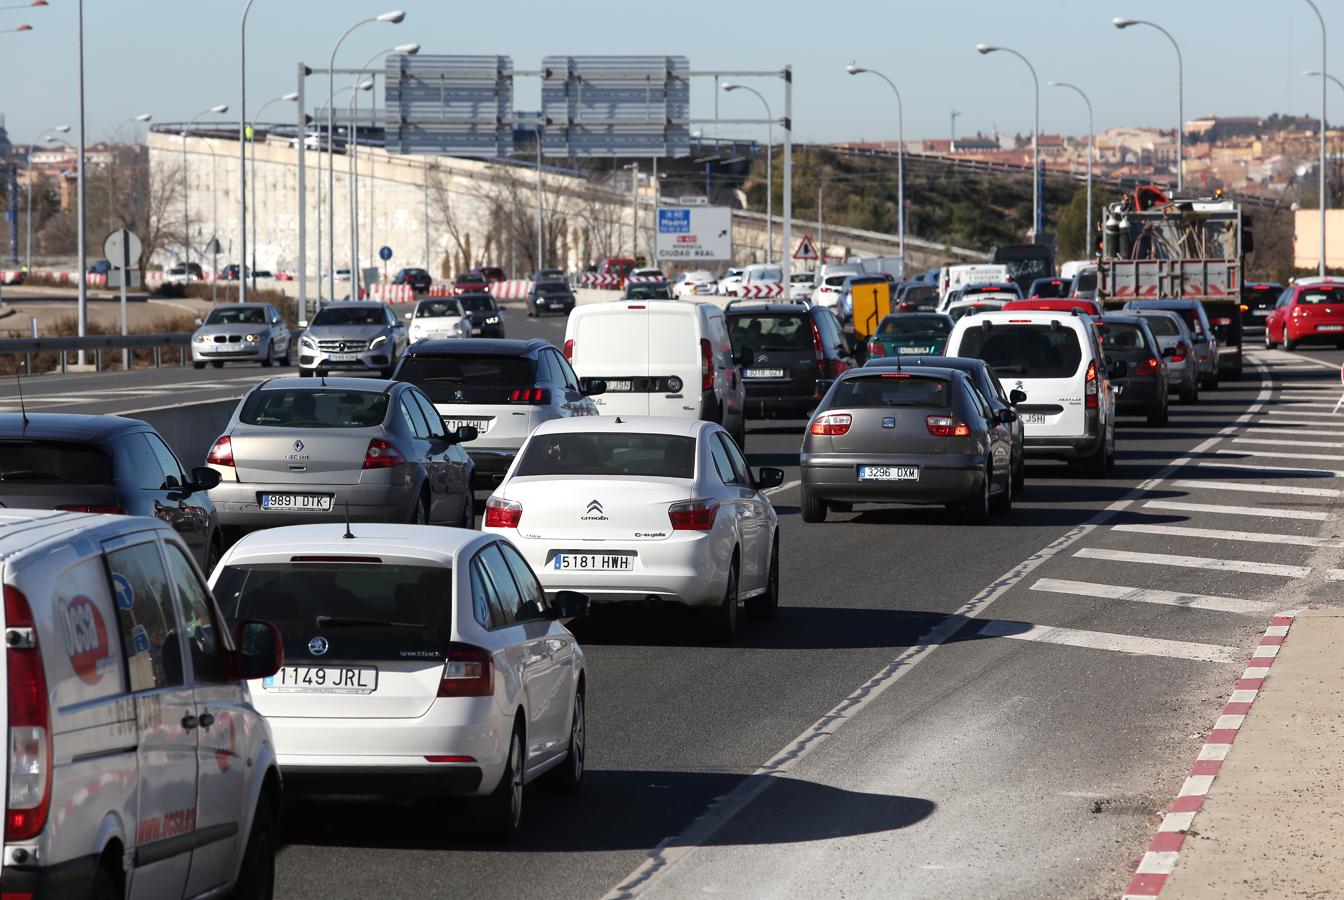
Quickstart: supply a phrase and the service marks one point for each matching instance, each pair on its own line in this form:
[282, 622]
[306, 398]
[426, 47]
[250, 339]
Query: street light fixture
[28, 253]
[1324, 68]
[900, 153]
[1087, 220]
[242, 148]
[1035, 137]
[1122, 23]
[729, 87]
[283, 98]
[362, 86]
[186, 208]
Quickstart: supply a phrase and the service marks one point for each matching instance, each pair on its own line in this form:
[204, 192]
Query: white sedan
[644, 510]
[419, 661]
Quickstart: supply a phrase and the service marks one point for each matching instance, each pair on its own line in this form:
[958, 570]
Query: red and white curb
[1164, 850]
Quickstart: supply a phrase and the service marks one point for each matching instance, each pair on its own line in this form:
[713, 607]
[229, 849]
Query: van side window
[148, 625]
[198, 620]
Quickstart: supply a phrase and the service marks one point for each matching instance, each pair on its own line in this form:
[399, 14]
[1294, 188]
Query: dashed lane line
[1145, 595]
[1294, 470]
[1218, 534]
[1268, 512]
[1279, 454]
[1287, 489]
[1275, 442]
[1285, 430]
[1253, 567]
[1117, 643]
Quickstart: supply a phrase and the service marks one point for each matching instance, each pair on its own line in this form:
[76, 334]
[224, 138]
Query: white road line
[1257, 488]
[1293, 429]
[1119, 643]
[1274, 442]
[1194, 562]
[1294, 470]
[782, 488]
[1334, 574]
[1215, 534]
[1269, 512]
[1308, 423]
[1143, 595]
[1279, 454]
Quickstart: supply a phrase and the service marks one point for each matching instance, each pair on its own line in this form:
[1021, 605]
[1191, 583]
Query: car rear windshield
[478, 304]
[438, 309]
[468, 378]
[648, 292]
[335, 314]
[1191, 319]
[911, 324]
[314, 408]
[1260, 297]
[552, 287]
[1320, 296]
[237, 315]
[1085, 281]
[892, 389]
[1027, 351]
[1048, 290]
[1121, 336]
[634, 455]
[365, 611]
[766, 333]
[64, 462]
[1164, 326]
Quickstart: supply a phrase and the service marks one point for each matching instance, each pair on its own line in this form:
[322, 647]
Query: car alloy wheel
[504, 806]
[725, 614]
[568, 776]
[766, 605]
[1003, 504]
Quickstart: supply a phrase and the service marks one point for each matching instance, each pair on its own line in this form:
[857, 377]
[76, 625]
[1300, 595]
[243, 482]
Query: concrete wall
[191, 430]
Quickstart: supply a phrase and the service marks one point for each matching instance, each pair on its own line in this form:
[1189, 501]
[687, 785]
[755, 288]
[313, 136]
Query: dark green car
[911, 334]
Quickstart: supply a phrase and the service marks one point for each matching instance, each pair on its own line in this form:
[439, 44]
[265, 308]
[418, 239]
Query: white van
[137, 764]
[659, 358]
[953, 277]
[1056, 360]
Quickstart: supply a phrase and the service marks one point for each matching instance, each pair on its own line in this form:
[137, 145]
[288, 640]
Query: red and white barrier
[645, 279]
[593, 280]
[510, 290]
[11, 276]
[761, 291]
[394, 293]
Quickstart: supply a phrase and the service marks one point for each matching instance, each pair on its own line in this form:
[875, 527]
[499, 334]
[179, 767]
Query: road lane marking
[1279, 454]
[782, 488]
[1269, 512]
[1116, 643]
[1332, 473]
[1283, 432]
[1145, 595]
[1257, 488]
[1275, 442]
[1217, 534]
[1193, 562]
[1309, 422]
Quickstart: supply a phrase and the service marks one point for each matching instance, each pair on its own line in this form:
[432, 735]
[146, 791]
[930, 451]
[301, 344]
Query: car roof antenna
[348, 535]
[898, 359]
[23, 407]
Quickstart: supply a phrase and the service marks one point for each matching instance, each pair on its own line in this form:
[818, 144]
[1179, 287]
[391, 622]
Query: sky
[175, 58]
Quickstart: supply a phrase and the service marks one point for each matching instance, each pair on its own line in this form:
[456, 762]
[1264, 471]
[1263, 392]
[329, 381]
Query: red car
[1062, 304]
[472, 282]
[1307, 312]
[492, 274]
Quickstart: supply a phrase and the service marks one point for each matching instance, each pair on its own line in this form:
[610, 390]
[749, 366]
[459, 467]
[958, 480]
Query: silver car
[359, 336]
[372, 450]
[1178, 350]
[241, 332]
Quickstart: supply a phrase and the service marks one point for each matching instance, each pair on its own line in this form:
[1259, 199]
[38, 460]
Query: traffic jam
[372, 587]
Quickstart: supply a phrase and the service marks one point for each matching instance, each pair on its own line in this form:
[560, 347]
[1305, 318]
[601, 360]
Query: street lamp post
[1321, 163]
[366, 85]
[186, 206]
[242, 150]
[1087, 220]
[1035, 139]
[1123, 23]
[395, 17]
[1313, 73]
[28, 252]
[900, 155]
[769, 168]
[286, 98]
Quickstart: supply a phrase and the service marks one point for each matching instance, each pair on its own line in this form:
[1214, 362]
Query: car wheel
[1215, 380]
[974, 510]
[1190, 394]
[469, 512]
[504, 806]
[814, 509]
[305, 373]
[1095, 463]
[287, 360]
[766, 605]
[1289, 345]
[270, 357]
[1158, 417]
[1003, 503]
[256, 877]
[213, 555]
[198, 365]
[217, 363]
[1269, 344]
[724, 616]
[420, 515]
[103, 885]
[569, 776]
[1019, 474]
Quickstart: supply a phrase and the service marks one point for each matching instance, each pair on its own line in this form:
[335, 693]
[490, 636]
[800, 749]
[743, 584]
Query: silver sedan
[241, 332]
[370, 450]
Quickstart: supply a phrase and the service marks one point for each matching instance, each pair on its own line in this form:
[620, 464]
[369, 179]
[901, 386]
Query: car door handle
[188, 722]
[207, 719]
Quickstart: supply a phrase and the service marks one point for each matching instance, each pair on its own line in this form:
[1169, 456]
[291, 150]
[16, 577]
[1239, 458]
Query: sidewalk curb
[1164, 850]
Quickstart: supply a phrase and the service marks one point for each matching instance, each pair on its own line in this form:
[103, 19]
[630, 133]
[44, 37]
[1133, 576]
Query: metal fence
[96, 345]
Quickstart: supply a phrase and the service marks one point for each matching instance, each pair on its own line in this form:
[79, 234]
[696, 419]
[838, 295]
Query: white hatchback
[644, 510]
[420, 661]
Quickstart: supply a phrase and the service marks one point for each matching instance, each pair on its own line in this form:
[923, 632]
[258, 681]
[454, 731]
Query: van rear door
[611, 342]
[1046, 360]
[677, 359]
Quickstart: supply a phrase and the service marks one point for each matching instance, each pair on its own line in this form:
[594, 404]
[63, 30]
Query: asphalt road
[938, 710]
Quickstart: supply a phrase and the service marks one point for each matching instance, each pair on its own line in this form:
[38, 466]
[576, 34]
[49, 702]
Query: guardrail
[96, 343]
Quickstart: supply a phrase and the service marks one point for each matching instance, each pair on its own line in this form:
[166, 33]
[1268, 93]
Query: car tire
[568, 776]
[217, 363]
[766, 605]
[1095, 462]
[214, 554]
[1019, 473]
[813, 509]
[468, 512]
[1190, 394]
[503, 808]
[1158, 417]
[974, 510]
[1003, 503]
[270, 357]
[1216, 380]
[724, 616]
[287, 360]
[198, 365]
[103, 886]
[256, 876]
[1289, 345]
[1269, 345]
[305, 373]
[420, 515]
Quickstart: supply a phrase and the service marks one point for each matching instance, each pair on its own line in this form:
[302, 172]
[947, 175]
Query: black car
[914, 296]
[549, 296]
[230, 272]
[1225, 317]
[418, 279]
[790, 356]
[987, 382]
[487, 319]
[1137, 373]
[1257, 302]
[106, 464]
[548, 275]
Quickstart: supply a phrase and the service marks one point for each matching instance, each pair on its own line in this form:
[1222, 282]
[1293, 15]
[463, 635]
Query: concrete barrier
[190, 429]
[584, 296]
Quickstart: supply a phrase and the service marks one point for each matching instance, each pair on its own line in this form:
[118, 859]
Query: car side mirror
[1016, 396]
[260, 653]
[591, 387]
[204, 478]
[408, 316]
[1007, 416]
[462, 434]
[569, 605]
[769, 477]
[200, 321]
[303, 323]
[1168, 352]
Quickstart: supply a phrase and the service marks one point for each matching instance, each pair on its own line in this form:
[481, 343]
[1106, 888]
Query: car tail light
[1222, 321]
[501, 513]
[947, 426]
[706, 366]
[832, 424]
[29, 760]
[816, 343]
[569, 349]
[1302, 310]
[97, 508]
[837, 367]
[382, 455]
[693, 515]
[540, 396]
[1091, 390]
[221, 454]
[468, 672]
[1182, 351]
[450, 759]
[1147, 367]
[875, 348]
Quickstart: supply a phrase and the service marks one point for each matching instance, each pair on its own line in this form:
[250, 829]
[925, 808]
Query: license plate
[314, 502]
[342, 357]
[1329, 327]
[323, 680]
[1262, 313]
[1033, 418]
[762, 373]
[481, 425]
[888, 473]
[556, 305]
[619, 384]
[915, 351]
[594, 562]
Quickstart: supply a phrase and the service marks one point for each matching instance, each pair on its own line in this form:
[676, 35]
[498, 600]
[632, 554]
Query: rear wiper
[1014, 370]
[445, 379]
[350, 622]
[27, 475]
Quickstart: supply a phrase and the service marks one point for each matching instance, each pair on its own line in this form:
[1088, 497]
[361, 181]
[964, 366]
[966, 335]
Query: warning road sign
[806, 249]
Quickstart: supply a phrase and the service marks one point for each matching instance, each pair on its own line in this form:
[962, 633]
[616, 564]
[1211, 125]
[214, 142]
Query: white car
[829, 291]
[695, 284]
[801, 286]
[976, 304]
[419, 661]
[730, 282]
[437, 319]
[644, 510]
